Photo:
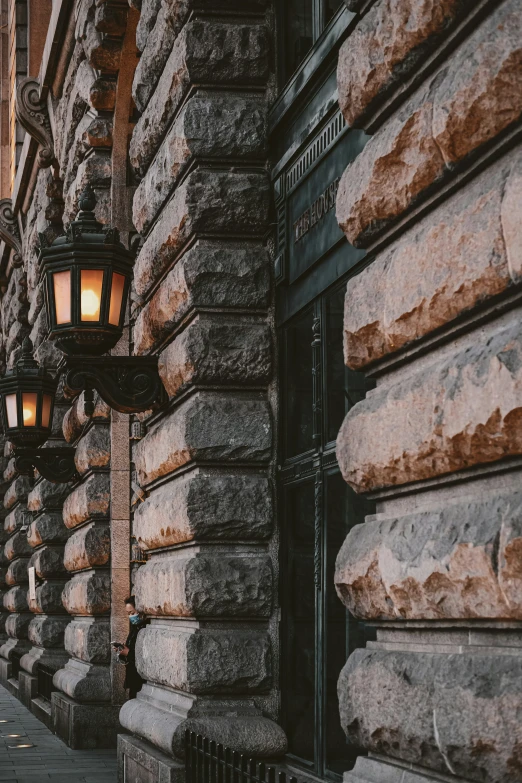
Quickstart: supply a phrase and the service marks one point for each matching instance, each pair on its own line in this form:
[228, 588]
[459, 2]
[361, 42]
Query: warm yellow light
[90, 303]
[91, 285]
[29, 400]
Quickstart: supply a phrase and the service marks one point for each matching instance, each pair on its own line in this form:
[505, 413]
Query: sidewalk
[50, 759]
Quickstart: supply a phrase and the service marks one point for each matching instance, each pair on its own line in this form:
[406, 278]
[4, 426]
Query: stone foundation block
[141, 762]
[16, 518]
[54, 659]
[48, 631]
[84, 682]
[17, 571]
[27, 688]
[90, 500]
[88, 638]
[21, 646]
[196, 207]
[88, 593]
[369, 770]
[93, 450]
[88, 547]
[17, 625]
[204, 504]
[208, 426]
[47, 496]
[17, 491]
[18, 546]
[461, 412]
[48, 597]
[455, 714]
[205, 585]
[47, 528]
[84, 726]
[209, 274]
[15, 600]
[48, 562]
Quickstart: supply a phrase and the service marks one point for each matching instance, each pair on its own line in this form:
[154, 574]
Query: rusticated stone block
[214, 350]
[88, 593]
[199, 585]
[460, 412]
[149, 12]
[211, 126]
[47, 496]
[205, 505]
[88, 547]
[208, 426]
[15, 600]
[17, 572]
[3, 572]
[18, 546]
[103, 52]
[90, 500]
[197, 206]
[460, 562]
[388, 43]
[470, 101]
[75, 419]
[458, 257]
[206, 52]
[89, 639]
[48, 562]
[210, 273]
[93, 450]
[205, 661]
[456, 714]
[48, 631]
[18, 491]
[47, 528]
[17, 626]
[84, 682]
[48, 598]
[16, 518]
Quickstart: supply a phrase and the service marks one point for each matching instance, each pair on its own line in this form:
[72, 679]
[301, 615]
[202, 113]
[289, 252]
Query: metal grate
[45, 682]
[15, 664]
[209, 762]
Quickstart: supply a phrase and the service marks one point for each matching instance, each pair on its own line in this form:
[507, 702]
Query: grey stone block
[88, 593]
[89, 500]
[47, 496]
[88, 547]
[93, 450]
[48, 562]
[141, 762]
[48, 597]
[84, 726]
[84, 682]
[88, 638]
[47, 528]
[48, 630]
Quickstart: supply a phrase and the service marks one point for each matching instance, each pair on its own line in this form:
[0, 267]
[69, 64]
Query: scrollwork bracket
[9, 231]
[32, 114]
[54, 464]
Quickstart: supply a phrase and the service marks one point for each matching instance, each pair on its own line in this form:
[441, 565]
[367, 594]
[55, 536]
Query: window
[304, 21]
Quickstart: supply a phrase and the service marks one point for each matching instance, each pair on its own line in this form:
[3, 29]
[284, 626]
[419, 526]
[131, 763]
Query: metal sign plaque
[32, 583]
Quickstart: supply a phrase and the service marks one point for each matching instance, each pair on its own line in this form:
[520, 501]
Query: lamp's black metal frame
[56, 464]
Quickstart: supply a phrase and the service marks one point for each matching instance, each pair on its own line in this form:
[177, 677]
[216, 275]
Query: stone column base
[139, 762]
[6, 669]
[41, 709]
[84, 726]
[27, 688]
[372, 770]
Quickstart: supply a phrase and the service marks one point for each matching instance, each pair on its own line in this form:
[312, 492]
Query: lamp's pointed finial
[87, 200]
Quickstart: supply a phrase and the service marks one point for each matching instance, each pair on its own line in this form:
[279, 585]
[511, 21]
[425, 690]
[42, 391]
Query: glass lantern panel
[118, 284]
[12, 413]
[62, 297]
[46, 410]
[29, 403]
[91, 284]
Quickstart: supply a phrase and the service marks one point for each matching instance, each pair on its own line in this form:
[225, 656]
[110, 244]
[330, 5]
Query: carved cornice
[9, 230]
[32, 114]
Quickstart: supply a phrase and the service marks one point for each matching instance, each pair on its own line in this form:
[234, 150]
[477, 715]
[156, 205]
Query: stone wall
[435, 317]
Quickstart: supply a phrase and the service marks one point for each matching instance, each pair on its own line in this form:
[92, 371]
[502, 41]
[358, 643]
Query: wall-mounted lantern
[87, 280]
[27, 402]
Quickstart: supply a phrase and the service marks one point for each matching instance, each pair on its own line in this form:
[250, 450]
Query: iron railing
[45, 682]
[209, 762]
[15, 664]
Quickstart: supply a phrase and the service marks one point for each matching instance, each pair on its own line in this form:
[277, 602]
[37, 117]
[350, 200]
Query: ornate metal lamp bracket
[54, 464]
[128, 384]
[32, 114]
[9, 231]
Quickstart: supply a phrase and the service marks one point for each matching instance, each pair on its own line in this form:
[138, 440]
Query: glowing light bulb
[28, 414]
[90, 303]
[29, 409]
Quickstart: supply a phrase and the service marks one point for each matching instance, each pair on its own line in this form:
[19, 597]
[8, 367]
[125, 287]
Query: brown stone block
[463, 561]
[206, 585]
[48, 562]
[454, 414]
[18, 491]
[18, 546]
[103, 52]
[88, 547]
[15, 519]
[75, 419]
[455, 714]
[89, 500]
[197, 207]
[47, 496]
[209, 426]
[205, 661]
[88, 593]
[214, 274]
[205, 52]
[216, 126]
[93, 450]
[47, 528]
[17, 571]
[456, 258]
[469, 102]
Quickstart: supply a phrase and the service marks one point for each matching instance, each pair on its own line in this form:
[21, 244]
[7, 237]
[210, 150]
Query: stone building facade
[324, 201]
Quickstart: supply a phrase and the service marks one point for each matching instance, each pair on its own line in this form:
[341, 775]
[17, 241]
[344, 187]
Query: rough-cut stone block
[48, 598]
[16, 518]
[88, 638]
[456, 259]
[17, 572]
[75, 419]
[209, 274]
[48, 562]
[197, 207]
[93, 450]
[471, 100]
[15, 600]
[388, 43]
[460, 562]
[18, 546]
[88, 593]
[207, 426]
[200, 662]
[90, 500]
[217, 351]
[48, 631]
[200, 585]
[84, 726]
[47, 528]
[47, 496]
[17, 625]
[456, 714]
[205, 505]
[18, 491]
[211, 126]
[463, 411]
[88, 547]
[206, 52]
[84, 682]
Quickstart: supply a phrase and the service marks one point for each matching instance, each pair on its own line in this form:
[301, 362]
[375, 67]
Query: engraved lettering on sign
[317, 211]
